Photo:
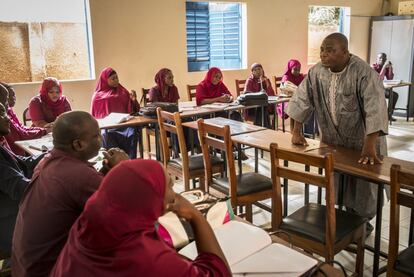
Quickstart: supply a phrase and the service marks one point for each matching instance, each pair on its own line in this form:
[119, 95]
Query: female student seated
[116, 233]
[17, 130]
[290, 81]
[165, 90]
[212, 89]
[111, 97]
[49, 104]
[256, 82]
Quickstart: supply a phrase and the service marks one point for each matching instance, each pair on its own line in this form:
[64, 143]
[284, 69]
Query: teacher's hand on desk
[369, 152]
[297, 136]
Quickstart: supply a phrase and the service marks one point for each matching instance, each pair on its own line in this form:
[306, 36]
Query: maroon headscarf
[107, 99]
[206, 89]
[288, 76]
[57, 107]
[116, 234]
[253, 84]
[172, 96]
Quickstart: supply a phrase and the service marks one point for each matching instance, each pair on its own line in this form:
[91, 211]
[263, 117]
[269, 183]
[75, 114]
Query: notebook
[249, 251]
[114, 118]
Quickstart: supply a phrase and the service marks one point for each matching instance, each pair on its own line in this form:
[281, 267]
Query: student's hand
[113, 157]
[223, 98]
[388, 64]
[298, 139]
[183, 208]
[133, 95]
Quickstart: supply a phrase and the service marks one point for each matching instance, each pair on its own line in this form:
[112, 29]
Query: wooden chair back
[217, 137]
[399, 179]
[191, 92]
[278, 83]
[26, 116]
[326, 181]
[171, 123]
[144, 97]
[240, 84]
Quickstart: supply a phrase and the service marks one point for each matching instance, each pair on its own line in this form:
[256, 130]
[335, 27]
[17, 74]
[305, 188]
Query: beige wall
[138, 37]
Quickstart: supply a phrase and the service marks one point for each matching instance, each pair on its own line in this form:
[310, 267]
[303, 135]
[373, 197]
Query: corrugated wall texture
[14, 52]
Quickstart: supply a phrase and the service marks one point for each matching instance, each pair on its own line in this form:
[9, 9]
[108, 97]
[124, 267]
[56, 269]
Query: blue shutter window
[213, 35]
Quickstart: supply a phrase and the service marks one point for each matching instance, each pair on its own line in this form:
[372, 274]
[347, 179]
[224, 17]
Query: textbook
[249, 251]
[114, 118]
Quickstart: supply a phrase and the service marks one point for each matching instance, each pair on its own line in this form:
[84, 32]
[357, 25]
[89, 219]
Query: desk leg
[285, 192]
[140, 142]
[411, 234]
[283, 117]
[390, 100]
[341, 191]
[157, 143]
[307, 169]
[256, 160]
[239, 160]
[408, 102]
[377, 245]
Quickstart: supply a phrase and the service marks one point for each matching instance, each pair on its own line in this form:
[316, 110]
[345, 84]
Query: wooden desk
[402, 84]
[276, 100]
[236, 127]
[345, 160]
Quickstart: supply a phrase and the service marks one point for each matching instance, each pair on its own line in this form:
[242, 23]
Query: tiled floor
[400, 145]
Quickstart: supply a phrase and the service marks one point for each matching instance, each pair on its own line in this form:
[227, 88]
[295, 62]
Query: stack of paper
[249, 251]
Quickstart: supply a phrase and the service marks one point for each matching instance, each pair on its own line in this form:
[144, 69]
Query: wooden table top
[345, 160]
[236, 127]
[135, 121]
[402, 84]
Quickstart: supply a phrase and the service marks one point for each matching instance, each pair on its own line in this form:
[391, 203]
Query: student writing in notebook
[61, 184]
[112, 97]
[165, 90]
[256, 82]
[116, 233]
[17, 130]
[49, 104]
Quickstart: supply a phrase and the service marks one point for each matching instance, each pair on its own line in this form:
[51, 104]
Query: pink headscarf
[206, 89]
[253, 84]
[57, 107]
[172, 95]
[116, 234]
[288, 76]
[107, 99]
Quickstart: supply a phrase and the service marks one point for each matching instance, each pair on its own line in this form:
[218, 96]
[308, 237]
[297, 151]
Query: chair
[149, 130]
[316, 228]
[244, 189]
[191, 92]
[400, 264]
[144, 97]
[185, 167]
[26, 116]
[239, 86]
[278, 82]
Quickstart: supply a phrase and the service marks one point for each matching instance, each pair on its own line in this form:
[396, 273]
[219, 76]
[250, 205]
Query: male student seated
[385, 70]
[15, 174]
[61, 184]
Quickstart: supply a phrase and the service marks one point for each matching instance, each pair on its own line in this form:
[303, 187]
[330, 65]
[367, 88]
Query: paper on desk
[114, 118]
[44, 143]
[276, 259]
[391, 82]
[238, 240]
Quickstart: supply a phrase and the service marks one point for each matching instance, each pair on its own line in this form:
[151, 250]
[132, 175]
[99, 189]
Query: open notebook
[249, 251]
[114, 118]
